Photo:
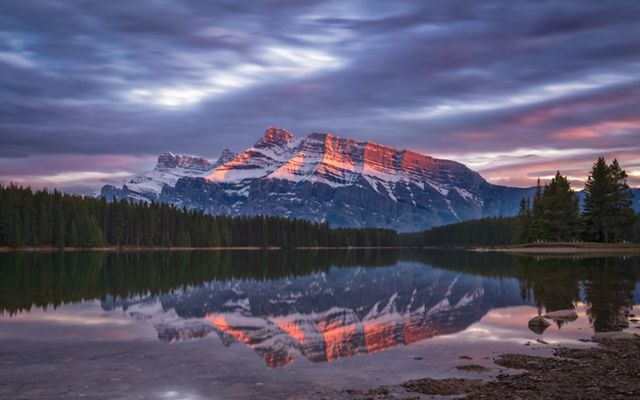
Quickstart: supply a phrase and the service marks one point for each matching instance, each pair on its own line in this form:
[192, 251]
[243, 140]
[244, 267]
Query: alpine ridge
[325, 178]
[169, 168]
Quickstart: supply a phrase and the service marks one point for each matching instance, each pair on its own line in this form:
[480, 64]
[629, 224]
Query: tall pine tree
[607, 204]
[523, 233]
[555, 215]
[622, 214]
[536, 229]
[560, 210]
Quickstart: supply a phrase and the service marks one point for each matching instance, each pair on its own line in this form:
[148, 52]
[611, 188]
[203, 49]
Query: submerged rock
[538, 325]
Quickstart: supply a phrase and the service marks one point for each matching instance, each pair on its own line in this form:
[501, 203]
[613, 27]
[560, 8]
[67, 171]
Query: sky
[92, 91]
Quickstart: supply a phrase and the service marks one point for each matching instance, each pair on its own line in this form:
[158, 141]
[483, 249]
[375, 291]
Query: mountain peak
[226, 156]
[167, 160]
[277, 136]
[170, 161]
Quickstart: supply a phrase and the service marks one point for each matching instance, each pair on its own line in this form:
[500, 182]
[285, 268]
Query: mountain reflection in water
[321, 305]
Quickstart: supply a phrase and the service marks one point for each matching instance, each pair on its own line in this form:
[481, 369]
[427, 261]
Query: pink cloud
[599, 130]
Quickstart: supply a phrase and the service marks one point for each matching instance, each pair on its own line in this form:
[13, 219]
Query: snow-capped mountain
[322, 177]
[337, 162]
[169, 168]
[328, 315]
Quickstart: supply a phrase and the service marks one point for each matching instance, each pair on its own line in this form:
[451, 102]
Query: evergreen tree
[607, 205]
[597, 201]
[535, 227]
[559, 210]
[524, 222]
[58, 239]
[622, 214]
[73, 238]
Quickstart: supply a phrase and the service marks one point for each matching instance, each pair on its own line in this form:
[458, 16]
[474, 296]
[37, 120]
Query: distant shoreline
[564, 248]
[528, 249]
[116, 249]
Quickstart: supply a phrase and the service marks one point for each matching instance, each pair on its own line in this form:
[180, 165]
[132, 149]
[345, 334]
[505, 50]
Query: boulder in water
[538, 325]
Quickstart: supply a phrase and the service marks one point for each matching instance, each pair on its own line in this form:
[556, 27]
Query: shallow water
[276, 324]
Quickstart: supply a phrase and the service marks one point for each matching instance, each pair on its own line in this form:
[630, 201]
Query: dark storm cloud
[476, 81]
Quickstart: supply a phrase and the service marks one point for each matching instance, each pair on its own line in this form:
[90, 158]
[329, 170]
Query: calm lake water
[277, 324]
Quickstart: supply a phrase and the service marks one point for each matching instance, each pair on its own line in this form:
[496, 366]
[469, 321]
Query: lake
[287, 324]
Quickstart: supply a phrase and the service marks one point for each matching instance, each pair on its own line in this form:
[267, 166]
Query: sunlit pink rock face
[326, 158]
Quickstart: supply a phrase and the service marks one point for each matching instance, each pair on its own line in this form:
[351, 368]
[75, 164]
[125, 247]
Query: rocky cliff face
[325, 178]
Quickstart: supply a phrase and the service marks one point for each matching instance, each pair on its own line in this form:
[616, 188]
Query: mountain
[322, 177]
[325, 178]
[169, 168]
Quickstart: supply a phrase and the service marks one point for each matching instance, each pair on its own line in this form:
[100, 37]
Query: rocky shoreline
[607, 371]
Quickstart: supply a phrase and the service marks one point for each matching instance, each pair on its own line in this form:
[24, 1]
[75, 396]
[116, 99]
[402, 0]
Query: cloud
[530, 96]
[467, 79]
[273, 63]
[78, 173]
[15, 60]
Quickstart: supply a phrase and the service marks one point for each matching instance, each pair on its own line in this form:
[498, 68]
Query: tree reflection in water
[47, 280]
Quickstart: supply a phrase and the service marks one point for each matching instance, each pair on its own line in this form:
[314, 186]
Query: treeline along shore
[50, 279]
[49, 220]
[43, 219]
